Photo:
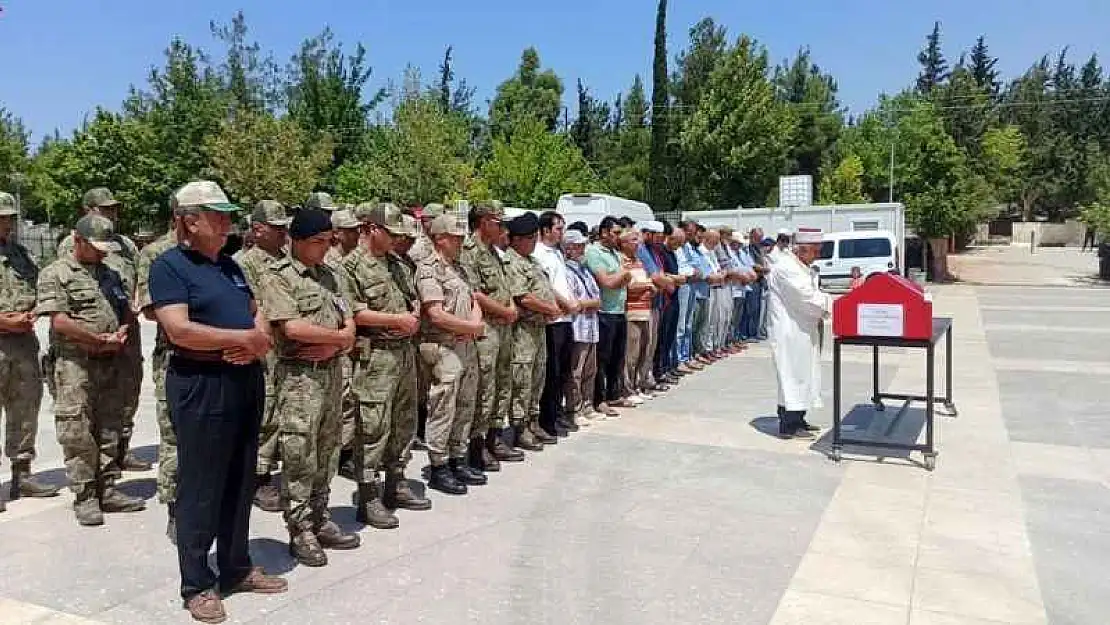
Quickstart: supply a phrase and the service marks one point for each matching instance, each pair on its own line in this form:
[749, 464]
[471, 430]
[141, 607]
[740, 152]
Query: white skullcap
[651, 226]
[808, 235]
[785, 232]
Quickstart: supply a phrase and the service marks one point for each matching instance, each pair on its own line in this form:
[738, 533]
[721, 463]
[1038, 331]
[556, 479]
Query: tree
[659, 193]
[623, 162]
[454, 95]
[249, 77]
[534, 167]
[708, 45]
[812, 94]
[934, 69]
[1005, 158]
[844, 183]
[983, 68]
[738, 140]
[590, 126]
[530, 94]
[258, 157]
[326, 96]
[13, 146]
[966, 109]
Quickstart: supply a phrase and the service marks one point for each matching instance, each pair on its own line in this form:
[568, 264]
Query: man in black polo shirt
[215, 392]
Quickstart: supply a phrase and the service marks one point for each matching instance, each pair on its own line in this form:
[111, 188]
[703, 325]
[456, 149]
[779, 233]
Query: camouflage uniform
[20, 375]
[167, 438]
[349, 401]
[451, 363]
[255, 263]
[529, 351]
[487, 274]
[90, 401]
[306, 394]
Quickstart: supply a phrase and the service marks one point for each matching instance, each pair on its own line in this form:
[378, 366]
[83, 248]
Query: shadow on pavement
[272, 555]
[891, 425]
[144, 488]
[146, 453]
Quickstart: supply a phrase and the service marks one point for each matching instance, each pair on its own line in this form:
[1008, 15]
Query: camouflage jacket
[526, 277]
[18, 278]
[372, 285]
[67, 286]
[124, 261]
[486, 271]
[440, 281]
[291, 290]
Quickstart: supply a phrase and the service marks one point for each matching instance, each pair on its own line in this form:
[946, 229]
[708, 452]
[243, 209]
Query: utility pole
[891, 199]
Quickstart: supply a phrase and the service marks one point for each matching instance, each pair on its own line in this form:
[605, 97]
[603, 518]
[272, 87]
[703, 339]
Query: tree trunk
[940, 259]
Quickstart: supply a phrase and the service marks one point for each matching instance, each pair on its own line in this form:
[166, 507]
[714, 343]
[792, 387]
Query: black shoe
[500, 444]
[398, 493]
[347, 464]
[443, 480]
[801, 432]
[542, 435]
[566, 423]
[466, 474]
[809, 427]
[483, 457]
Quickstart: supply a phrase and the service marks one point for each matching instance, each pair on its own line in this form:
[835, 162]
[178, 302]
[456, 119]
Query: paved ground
[688, 511]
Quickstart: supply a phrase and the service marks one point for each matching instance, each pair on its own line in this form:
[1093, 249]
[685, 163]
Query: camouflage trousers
[88, 417]
[268, 431]
[130, 383]
[385, 384]
[20, 394]
[349, 404]
[307, 407]
[452, 389]
[167, 436]
[529, 358]
[494, 379]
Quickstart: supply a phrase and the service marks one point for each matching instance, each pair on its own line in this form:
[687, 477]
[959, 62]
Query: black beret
[524, 225]
[309, 222]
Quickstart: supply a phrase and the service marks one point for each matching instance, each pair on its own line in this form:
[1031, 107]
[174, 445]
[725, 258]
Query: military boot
[466, 474]
[25, 485]
[370, 509]
[398, 493]
[479, 457]
[305, 548]
[525, 439]
[266, 494]
[541, 435]
[130, 461]
[114, 500]
[566, 422]
[443, 480]
[331, 536]
[501, 450]
[87, 508]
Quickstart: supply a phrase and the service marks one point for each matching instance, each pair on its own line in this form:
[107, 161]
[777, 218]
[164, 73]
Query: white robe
[796, 308]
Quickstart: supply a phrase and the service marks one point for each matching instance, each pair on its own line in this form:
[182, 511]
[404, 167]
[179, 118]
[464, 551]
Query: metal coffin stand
[942, 327]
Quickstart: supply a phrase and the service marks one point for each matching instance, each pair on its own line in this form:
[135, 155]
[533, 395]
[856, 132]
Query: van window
[864, 248]
[827, 249]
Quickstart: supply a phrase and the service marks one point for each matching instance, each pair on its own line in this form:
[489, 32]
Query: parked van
[874, 251]
[593, 207]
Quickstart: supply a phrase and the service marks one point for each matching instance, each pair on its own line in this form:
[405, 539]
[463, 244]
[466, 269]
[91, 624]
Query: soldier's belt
[308, 364]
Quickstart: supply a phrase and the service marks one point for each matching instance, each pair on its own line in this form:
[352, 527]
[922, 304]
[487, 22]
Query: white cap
[651, 226]
[808, 235]
[785, 232]
[574, 237]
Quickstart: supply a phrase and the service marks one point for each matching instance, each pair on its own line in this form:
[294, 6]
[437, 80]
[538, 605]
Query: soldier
[123, 261]
[90, 316]
[301, 298]
[346, 238]
[423, 247]
[20, 375]
[321, 201]
[486, 272]
[269, 226]
[386, 317]
[403, 247]
[452, 322]
[167, 438]
[532, 291]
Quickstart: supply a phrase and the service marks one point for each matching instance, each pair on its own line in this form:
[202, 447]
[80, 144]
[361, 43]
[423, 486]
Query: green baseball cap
[97, 230]
[99, 197]
[202, 194]
[320, 200]
[7, 205]
[271, 212]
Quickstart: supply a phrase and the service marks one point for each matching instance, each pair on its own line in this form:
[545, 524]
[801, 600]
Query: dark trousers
[753, 303]
[560, 339]
[216, 411]
[612, 342]
[668, 335]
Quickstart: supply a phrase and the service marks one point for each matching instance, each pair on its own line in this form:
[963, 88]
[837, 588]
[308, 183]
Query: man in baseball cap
[321, 200]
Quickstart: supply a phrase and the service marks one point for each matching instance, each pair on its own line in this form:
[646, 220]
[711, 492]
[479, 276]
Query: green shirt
[600, 259]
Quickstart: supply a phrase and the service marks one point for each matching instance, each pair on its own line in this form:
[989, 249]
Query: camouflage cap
[7, 205]
[386, 215]
[320, 200]
[431, 211]
[202, 194]
[411, 226]
[491, 207]
[97, 230]
[98, 198]
[271, 212]
[447, 224]
[344, 219]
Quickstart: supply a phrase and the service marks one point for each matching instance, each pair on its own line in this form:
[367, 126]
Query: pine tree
[982, 68]
[659, 162]
[934, 69]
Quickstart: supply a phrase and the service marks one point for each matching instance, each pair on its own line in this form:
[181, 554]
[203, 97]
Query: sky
[60, 59]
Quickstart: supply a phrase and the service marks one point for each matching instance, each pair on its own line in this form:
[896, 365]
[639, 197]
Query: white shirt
[796, 310]
[555, 266]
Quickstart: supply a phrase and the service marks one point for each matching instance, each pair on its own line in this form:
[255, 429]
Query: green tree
[258, 157]
[530, 94]
[249, 77]
[812, 94]
[534, 167]
[1005, 157]
[660, 193]
[454, 94]
[966, 108]
[843, 184]
[983, 68]
[707, 46]
[738, 140]
[13, 147]
[591, 125]
[934, 68]
[626, 145]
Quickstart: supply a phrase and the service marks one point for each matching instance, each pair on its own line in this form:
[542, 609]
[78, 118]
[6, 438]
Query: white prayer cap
[651, 226]
[574, 237]
[785, 232]
[808, 235]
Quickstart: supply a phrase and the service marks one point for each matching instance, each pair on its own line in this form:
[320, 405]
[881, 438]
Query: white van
[873, 251]
[591, 208]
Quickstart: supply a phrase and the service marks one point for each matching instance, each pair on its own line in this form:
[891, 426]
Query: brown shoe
[206, 607]
[260, 583]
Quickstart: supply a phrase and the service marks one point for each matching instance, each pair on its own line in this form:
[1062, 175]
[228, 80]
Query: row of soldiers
[376, 316]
